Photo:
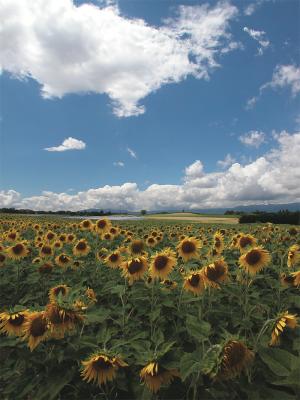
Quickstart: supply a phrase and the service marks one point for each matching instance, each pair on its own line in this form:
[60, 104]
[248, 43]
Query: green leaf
[188, 364]
[199, 329]
[279, 361]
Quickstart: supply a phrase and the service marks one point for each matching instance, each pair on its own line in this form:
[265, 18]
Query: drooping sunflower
[162, 263]
[45, 268]
[284, 320]
[17, 252]
[114, 260]
[36, 329]
[101, 368]
[293, 256]
[194, 283]
[81, 248]
[91, 295]
[236, 357]
[296, 277]
[154, 376]
[168, 284]
[216, 273]
[55, 291]
[188, 248]
[246, 241]
[61, 320]
[255, 260]
[134, 268]
[102, 225]
[12, 324]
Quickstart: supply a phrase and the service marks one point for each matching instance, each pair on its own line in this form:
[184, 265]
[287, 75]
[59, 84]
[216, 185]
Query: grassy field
[202, 218]
[148, 310]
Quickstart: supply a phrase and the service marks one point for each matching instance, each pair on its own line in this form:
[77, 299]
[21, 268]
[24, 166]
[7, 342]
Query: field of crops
[148, 310]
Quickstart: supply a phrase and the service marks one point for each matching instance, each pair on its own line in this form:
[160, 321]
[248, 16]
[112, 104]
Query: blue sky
[185, 117]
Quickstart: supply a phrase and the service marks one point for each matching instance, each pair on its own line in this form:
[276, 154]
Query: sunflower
[218, 242]
[81, 248]
[154, 376]
[17, 251]
[107, 236]
[216, 273]
[13, 323]
[235, 358]
[136, 247]
[101, 254]
[285, 320]
[114, 260]
[194, 283]
[55, 291]
[102, 225]
[61, 320]
[71, 238]
[86, 225]
[58, 244]
[151, 241]
[188, 248]
[168, 284]
[91, 295]
[134, 268]
[246, 241]
[101, 368]
[296, 277]
[46, 251]
[12, 236]
[293, 256]
[50, 236]
[63, 260]
[255, 260]
[35, 329]
[162, 263]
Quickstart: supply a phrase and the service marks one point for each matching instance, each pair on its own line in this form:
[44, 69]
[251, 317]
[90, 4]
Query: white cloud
[227, 162]
[131, 152]
[118, 164]
[272, 178]
[283, 76]
[253, 138]
[68, 144]
[249, 10]
[260, 37]
[88, 48]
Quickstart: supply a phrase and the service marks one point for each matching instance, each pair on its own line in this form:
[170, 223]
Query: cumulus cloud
[260, 37]
[68, 144]
[253, 138]
[283, 76]
[227, 162]
[118, 164]
[272, 178]
[131, 152]
[69, 48]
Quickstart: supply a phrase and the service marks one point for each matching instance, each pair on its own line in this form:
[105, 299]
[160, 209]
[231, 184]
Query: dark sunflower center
[101, 364]
[45, 268]
[17, 321]
[245, 241]
[62, 238]
[137, 247]
[253, 257]
[63, 258]
[70, 237]
[38, 327]
[50, 236]
[86, 224]
[101, 224]
[54, 316]
[81, 246]
[151, 240]
[289, 279]
[113, 231]
[107, 236]
[46, 250]
[194, 280]
[2, 257]
[135, 266]
[18, 249]
[188, 247]
[114, 257]
[216, 272]
[161, 262]
[217, 242]
[12, 236]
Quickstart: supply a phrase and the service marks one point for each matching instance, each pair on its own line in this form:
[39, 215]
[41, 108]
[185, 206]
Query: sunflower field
[92, 309]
